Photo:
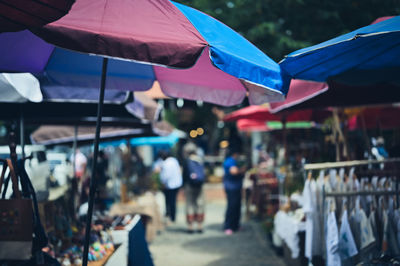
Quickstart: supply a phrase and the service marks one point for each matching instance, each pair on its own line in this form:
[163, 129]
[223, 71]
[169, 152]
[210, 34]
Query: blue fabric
[139, 254]
[233, 54]
[231, 182]
[169, 140]
[367, 55]
[90, 95]
[73, 69]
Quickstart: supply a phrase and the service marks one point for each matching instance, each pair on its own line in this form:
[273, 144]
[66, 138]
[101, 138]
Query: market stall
[351, 214]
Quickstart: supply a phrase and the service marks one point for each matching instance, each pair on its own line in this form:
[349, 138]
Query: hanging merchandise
[332, 242]
[347, 246]
[313, 230]
[16, 223]
[367, 235]
[367, 200]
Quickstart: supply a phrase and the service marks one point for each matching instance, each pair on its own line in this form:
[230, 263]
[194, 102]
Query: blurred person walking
[171, 179]
[80, 161]
[233, 182]
[194, 178]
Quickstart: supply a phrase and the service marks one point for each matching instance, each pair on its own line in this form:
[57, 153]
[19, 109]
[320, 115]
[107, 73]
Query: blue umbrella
[367, 55]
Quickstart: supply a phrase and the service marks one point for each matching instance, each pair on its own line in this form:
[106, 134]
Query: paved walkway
[174, 247]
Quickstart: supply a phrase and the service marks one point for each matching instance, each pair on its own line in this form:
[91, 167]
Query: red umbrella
[16, 15]
[253, 112]
[263, 113]
[252, 125]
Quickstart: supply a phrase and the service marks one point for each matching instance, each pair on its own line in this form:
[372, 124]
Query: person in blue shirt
[233, 181]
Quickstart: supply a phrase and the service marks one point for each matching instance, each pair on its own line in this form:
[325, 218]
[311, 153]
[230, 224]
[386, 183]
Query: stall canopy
[56, 135]
[369, 55]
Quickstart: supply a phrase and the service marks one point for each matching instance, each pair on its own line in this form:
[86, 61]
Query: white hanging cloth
[367, 235]
[332, 242]
[313, 230]
[347, 246]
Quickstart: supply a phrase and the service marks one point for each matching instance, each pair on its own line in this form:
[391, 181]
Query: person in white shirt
[171, 179]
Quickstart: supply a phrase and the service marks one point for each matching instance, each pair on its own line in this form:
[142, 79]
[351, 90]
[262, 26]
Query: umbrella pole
[284, 136]
[74, 148]
[22, 132]
[94, 165]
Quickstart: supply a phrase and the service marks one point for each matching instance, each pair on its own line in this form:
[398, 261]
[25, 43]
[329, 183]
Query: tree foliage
[279, 27]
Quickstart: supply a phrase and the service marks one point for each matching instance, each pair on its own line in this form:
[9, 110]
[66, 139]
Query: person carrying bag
[194, 178]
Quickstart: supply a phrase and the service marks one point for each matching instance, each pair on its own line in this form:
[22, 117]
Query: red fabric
[377, 117]
[299, 91]
[254, 112]
[251, 125]
[149, 31]
[16, 15]
[381, 19]
[262, 113]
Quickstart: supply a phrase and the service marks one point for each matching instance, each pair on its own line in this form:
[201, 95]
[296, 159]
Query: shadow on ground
[240, 249]
[214, 227]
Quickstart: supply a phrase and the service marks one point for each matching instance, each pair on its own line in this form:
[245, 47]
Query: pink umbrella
[157, 37]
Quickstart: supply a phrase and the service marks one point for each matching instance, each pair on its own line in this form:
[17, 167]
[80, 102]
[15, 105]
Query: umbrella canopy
[333, 94]
[144, 107]
[375, 117]
[215, 63]
[71, 105]
[56, 135]
[263, 113]
[16, 15]
[299, 92]
[368, 55]
[139, 105]
[19, 87]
